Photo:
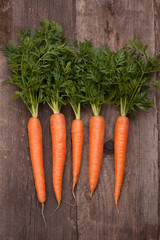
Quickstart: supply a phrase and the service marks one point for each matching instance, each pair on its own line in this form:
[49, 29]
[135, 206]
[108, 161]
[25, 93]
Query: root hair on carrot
[52, 214]
[91, 195]
[73, 193]
[117, 207]
[43, 215]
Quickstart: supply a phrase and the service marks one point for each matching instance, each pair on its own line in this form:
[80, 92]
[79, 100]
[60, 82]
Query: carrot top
[56, 64]
[57, 75]
[29, 59]
[73, 91]
[92, 77]
[130, 71]
[75, 84]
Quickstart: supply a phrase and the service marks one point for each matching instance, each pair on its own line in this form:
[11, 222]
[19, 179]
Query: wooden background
[102, 21]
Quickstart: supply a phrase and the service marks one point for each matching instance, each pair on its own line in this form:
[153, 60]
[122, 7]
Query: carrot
[35, 87]
[59, 66]
[58, 132]
[96, 141]
[88, 69]
[36, 151]
[120, 146]
[77, 144]
[127, 82]
[74, 90]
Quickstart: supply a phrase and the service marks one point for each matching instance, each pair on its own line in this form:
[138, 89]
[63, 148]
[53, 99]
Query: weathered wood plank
[5, 21]
[20, 210]
[102, 21]
[156, 6]
[115, 22]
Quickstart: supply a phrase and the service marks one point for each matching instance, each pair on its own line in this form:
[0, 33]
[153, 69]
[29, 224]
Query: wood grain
[114, 22]
[102, 21]
[156, 6]
[20, 210]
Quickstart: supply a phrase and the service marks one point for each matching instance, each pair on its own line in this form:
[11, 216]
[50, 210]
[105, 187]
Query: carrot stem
[123, 107]
[55, 106]
[96, 109]
[76, 110]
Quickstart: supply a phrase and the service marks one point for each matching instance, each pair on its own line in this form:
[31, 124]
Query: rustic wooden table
[102, 21]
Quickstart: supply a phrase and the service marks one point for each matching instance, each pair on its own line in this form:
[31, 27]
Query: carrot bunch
[47, 69]
[31, 64]
[94, 94]
[130, 71]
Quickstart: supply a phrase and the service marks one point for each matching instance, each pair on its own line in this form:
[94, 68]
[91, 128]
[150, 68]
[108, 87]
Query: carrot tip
[91, 195]
[117, 207]
[70, 204]
[43, 215]
[73, 193]
[55, 210]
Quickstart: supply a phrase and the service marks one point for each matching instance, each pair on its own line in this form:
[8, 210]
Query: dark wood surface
[102, 21]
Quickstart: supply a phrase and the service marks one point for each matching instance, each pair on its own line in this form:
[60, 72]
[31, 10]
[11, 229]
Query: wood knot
[108, 148]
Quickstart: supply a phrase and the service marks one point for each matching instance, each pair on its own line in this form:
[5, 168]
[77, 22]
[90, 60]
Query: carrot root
[36, 152]
[77, 145]
[55, 210]
[91, 195]
[117, 208]
[43, 215]
[96, 142]
[73, 193]
[120, 147]
[58, 133]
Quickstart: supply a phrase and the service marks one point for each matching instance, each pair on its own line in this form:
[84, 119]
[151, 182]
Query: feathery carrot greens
[88, 69]
[74, 87]
[57, 75]
[29, 59]
[130, 72]
[21, 60]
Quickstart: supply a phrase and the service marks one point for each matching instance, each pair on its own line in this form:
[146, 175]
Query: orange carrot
[77, 144]
[96, 142]
[120, 146]
[58, 132]
[36, 151]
